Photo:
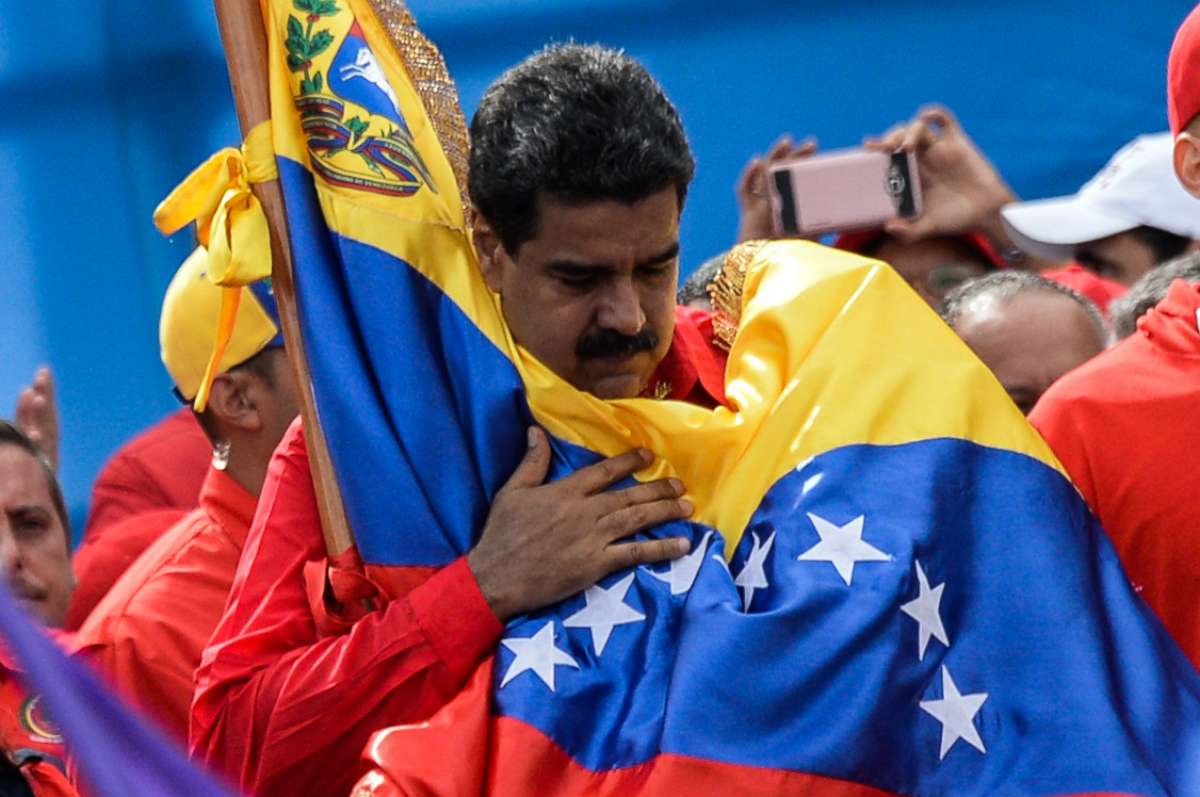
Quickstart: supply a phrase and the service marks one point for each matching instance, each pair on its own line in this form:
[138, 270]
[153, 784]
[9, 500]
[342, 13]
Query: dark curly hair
[577, 123]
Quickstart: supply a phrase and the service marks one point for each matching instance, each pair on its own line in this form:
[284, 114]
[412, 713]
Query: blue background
[108, 104]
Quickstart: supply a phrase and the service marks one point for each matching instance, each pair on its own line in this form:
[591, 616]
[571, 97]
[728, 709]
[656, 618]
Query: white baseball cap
[1136, 187]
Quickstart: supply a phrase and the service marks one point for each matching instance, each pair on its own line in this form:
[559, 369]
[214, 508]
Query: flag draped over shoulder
[893, 588]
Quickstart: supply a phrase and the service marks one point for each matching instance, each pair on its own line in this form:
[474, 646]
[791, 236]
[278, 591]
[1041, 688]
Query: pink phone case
[844, 190]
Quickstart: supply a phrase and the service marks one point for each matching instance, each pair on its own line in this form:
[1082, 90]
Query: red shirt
[101, 561]
[693, 369]
[29, 739]
[1126, 425]
[148, 632]
[162, 467]
[149, 484]
[287, 695]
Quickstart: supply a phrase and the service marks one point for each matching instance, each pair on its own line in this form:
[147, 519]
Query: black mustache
[610, 343]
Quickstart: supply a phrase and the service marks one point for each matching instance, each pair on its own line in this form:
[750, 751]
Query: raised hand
[962, 191]
[37, 414]
[754, 209]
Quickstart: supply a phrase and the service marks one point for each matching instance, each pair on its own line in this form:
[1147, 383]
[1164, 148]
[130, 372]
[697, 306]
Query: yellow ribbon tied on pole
[230, 224]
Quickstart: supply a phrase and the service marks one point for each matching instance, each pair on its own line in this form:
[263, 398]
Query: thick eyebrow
[579, 268]
[666, 256]
[31, 511]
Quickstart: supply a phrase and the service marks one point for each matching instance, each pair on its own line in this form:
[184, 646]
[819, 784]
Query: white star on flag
[957, 713]
[842, 546]
[605, 609]
[925, 609]
[683, 571]
[754, 575]
[537, 653]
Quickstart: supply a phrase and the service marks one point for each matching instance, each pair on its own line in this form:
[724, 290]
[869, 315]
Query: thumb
[908, 231]
[751, 174]
[534, 466]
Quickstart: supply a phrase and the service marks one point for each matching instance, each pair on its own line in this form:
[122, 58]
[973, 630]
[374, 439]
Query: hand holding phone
[842, 191]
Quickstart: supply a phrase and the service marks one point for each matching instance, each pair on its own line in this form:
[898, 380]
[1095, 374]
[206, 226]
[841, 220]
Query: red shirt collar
[228, 503]
[693, 369]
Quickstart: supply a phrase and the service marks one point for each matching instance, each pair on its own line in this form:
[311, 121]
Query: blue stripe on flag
[825, 677]
[416, 483]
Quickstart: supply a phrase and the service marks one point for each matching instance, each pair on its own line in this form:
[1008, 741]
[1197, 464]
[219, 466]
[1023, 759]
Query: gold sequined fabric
[725, 292]
[428, 71]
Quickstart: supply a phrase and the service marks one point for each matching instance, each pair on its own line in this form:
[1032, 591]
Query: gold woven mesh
[428, 71]
[725, 292]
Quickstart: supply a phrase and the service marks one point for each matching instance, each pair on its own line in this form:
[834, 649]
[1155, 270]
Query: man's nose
[621, 310]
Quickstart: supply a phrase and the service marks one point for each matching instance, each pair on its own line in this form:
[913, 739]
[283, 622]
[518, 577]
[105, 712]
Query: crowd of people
[201, 585]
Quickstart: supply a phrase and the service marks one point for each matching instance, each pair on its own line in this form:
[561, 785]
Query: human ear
[1187, 161]
[233, 400]
[489, 250]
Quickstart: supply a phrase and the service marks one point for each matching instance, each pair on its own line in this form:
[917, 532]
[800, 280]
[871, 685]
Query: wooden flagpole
[245, 41]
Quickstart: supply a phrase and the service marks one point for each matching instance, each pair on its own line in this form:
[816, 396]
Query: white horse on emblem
[367, 67]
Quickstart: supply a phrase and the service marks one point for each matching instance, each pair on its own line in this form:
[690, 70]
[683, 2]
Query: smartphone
[842, 191]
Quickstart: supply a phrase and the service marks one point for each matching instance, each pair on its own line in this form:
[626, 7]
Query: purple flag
[118, 753]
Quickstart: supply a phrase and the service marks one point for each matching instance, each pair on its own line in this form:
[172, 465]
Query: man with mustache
[579, 167]
[35, 553]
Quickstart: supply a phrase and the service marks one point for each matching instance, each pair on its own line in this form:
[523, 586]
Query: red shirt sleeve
[282, 709]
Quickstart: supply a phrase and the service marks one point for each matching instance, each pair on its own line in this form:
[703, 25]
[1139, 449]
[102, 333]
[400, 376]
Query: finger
[908, 231]
[780, 149]
[533, 468]
[39, 410]
[804, 149]
[661, 489]
[938, 115]
[751, 176]
[918, 136]
[646, 552]
[635, 518]
[891, 138]
[594, 478]
[24, 413]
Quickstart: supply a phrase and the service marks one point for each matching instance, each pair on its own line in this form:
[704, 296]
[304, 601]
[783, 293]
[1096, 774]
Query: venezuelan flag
[893, 587]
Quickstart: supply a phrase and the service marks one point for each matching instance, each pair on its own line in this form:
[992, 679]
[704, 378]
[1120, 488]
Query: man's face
[592, 295]
[33, 542]
[933, 267]
[1122, 257]
[1029, 340]
[280, 405]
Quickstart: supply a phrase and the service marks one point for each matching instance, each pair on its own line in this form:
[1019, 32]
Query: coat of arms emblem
[350, 114]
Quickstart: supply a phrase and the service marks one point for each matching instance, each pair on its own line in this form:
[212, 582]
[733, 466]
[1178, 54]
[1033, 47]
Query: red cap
[1099, 290]
[1183, 74]
[976, 242]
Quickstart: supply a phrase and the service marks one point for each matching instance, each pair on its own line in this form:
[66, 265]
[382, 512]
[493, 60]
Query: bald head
[1028, 330]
